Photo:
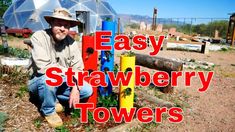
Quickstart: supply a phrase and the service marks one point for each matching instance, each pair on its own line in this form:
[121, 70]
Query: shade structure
[29, 13]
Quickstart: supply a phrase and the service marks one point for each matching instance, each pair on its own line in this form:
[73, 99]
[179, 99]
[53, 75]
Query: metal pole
[118, 26]
[154, 19]
[191, 26]
[211, 28]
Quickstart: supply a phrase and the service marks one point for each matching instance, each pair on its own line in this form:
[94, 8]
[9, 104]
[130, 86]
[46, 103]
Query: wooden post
[205, 48]
[228, 30]
[119, 30]
[154, 24]
[233, 37]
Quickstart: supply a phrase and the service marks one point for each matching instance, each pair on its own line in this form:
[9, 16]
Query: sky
[176, 8]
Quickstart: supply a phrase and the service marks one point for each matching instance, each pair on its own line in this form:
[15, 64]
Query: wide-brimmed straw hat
[63, 14]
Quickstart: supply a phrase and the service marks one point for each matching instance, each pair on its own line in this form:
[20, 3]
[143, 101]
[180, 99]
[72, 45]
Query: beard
[60, 36]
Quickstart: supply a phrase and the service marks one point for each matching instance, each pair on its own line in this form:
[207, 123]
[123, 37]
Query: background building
[29, 13]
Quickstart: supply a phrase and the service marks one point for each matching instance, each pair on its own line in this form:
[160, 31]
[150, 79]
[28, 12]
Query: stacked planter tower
[107, 58]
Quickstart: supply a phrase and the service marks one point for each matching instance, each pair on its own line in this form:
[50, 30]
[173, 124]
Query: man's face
[60, 29]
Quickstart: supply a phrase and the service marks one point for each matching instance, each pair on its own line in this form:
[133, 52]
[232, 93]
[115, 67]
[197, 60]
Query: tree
[4, 4]
[168, 26]
[184, 28]
[221, 26]
[133, 26]
[204, 29]
[201, 29]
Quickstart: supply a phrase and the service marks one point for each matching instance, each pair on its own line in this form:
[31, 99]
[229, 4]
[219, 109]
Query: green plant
[126, 92]
[129, 54]
[16, 52]
[109, 19]
[75, 113]
[149, 126]
[62, 129]
[181, 104]
[1, 49]
[127, 70]
[3, 118]
[224, 49]
[202, 68]
[115, 69]
[108, 55]
[37, 123]
[74, 122]
[203, 29]
[21, 92]
[139, 88]
[90, 117]
[133, 25]
[88, 128]
[19, 53]
[91, 34]
[13, 75]
[108, 101]
[192, 60]
[135, 97]
[4, 4]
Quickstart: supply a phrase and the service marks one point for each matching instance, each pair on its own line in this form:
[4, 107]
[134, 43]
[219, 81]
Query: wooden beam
[158, 63]
[228, 30]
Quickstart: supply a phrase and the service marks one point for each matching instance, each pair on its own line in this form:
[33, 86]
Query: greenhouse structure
[30, 13]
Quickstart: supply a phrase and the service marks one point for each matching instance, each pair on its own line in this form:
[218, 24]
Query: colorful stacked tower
[126, 93]
[107, 57]
[90, 59]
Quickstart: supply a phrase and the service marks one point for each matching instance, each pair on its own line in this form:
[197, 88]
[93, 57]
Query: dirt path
[213, 110]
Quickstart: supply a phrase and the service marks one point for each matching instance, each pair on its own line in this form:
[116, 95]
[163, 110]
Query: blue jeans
[47, 96]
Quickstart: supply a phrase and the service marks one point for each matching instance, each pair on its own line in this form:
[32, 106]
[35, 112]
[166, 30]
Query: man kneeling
[55, 48]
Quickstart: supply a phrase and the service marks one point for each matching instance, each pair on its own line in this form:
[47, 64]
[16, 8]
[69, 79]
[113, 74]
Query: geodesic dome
[30, 13]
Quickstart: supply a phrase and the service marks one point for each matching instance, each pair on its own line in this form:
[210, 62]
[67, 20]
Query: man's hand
[74, 97]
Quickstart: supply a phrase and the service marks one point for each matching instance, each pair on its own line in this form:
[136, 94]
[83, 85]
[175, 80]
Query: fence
[202, 26]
